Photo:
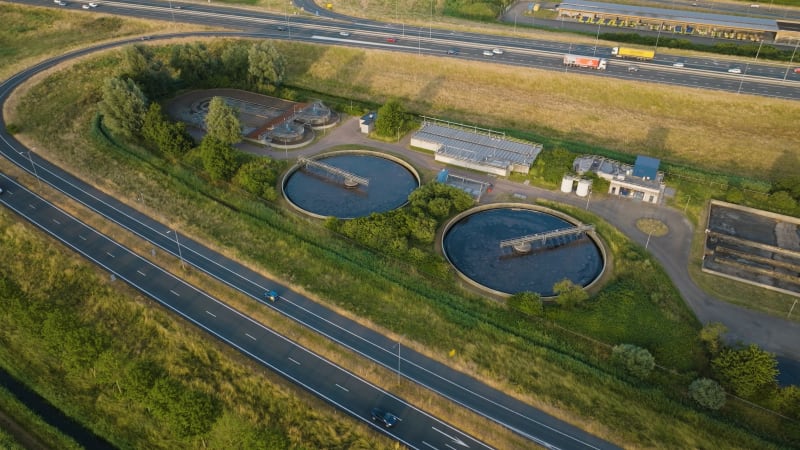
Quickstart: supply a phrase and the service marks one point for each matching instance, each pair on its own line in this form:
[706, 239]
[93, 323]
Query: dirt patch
[652, 227]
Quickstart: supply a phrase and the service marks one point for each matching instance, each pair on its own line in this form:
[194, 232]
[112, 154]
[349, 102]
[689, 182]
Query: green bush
[707, 393]
[636, 360]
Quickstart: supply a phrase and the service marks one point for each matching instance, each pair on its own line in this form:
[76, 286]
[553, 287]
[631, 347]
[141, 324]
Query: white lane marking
[456, 441]
[175, 293]
[212, 315]
[342, 388]
[109, 254]
[31, 206]
[251, 337]
[81, 236]
[294, 360]
[141, 273]
[56, 222]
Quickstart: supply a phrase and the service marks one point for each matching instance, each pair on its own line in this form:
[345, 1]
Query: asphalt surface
[672, 251]
[770, 333]
[346, 391]
[321, 26]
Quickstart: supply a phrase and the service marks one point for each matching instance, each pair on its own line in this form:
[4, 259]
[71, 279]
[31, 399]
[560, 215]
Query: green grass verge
[542, 360]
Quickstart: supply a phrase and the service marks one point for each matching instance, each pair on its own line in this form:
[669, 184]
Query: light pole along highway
[224, 323]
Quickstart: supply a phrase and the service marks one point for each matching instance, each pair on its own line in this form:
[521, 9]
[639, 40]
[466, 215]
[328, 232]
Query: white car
[677, 64]
[60, 3]
[734, 70]
[488, 53]
[93, 5]
[344, 33]
[497, 51]
[85, 6]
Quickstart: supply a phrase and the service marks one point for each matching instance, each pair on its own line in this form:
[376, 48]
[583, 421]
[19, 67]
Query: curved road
[344, 390]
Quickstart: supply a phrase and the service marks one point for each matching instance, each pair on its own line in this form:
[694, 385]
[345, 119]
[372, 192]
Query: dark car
[391, 40]
[452, 51]
[271, 296]
[384, 417]
[281, 27]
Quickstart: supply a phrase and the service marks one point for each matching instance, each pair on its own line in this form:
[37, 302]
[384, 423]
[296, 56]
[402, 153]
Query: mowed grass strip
[741, 134]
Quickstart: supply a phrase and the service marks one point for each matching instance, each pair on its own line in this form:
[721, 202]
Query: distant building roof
[369, 117]
[646, 167]
[720, 20]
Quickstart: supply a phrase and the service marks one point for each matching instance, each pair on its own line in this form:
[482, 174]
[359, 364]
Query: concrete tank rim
[511, 205]
[295, 167]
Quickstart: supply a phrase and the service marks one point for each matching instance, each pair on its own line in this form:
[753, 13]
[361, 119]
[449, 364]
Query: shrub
[636, 360]
[527, 303]
[707, 393]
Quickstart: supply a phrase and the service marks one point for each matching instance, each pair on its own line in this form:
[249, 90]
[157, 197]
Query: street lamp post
[30, 158]
[180, 253]
[791, 60]
[759, 49]
[741, 81]
[658, 36]
[515, 22]
[430, 25]
[596, 39]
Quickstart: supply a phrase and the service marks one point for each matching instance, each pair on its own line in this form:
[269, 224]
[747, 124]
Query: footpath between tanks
[773, 334]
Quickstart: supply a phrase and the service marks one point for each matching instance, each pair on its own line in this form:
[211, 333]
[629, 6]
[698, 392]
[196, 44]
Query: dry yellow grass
[741, 134]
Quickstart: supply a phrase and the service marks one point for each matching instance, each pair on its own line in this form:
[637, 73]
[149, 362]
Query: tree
[258, 178]
[222, 122]
[194, 63]
[526, 302]
[391, 117]
[267, 66]
[172, 139]
[123, 107]
[707, 393]
[218, 158]
[711, 336]
[749, 371]
[569, 294]
[140, 65]
[234, 64]
[636, 360]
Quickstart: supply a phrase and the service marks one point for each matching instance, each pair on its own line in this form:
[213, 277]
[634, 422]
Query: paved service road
[466, 391]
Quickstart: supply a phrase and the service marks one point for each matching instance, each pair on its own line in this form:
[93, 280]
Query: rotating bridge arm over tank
[348, 176]
[523, 243]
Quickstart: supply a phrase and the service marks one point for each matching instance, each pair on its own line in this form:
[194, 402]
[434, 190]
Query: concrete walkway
[773, 334]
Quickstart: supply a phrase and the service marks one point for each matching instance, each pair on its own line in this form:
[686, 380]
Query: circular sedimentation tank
[471, 243]
[321, 193]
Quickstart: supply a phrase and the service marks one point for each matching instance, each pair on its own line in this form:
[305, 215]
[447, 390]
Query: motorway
[353, 395]
[323, 27]
[342, 389]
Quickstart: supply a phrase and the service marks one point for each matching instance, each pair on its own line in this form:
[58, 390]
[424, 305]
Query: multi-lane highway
[353, 395]
[323, 27]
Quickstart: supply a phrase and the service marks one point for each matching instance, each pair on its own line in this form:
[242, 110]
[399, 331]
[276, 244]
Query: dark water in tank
[473, 245]
[317, 191]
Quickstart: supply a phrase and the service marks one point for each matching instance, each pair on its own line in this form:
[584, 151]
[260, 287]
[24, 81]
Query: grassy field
[739, 134]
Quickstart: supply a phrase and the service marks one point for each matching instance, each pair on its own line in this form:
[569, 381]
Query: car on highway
[633, 68]
[488, 53]
[797, 70]
[735, 70]
[281, 27]
[1, 190]
[452, 51]
[271, 296]
[92, 5]
[344, 33]
[497, 51]
[391, 40]
[61, 3]
[384, 417]
[678, 64]
[85, 6]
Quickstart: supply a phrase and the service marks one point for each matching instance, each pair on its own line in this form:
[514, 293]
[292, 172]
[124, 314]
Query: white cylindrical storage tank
[583, 187]
[566, 183]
